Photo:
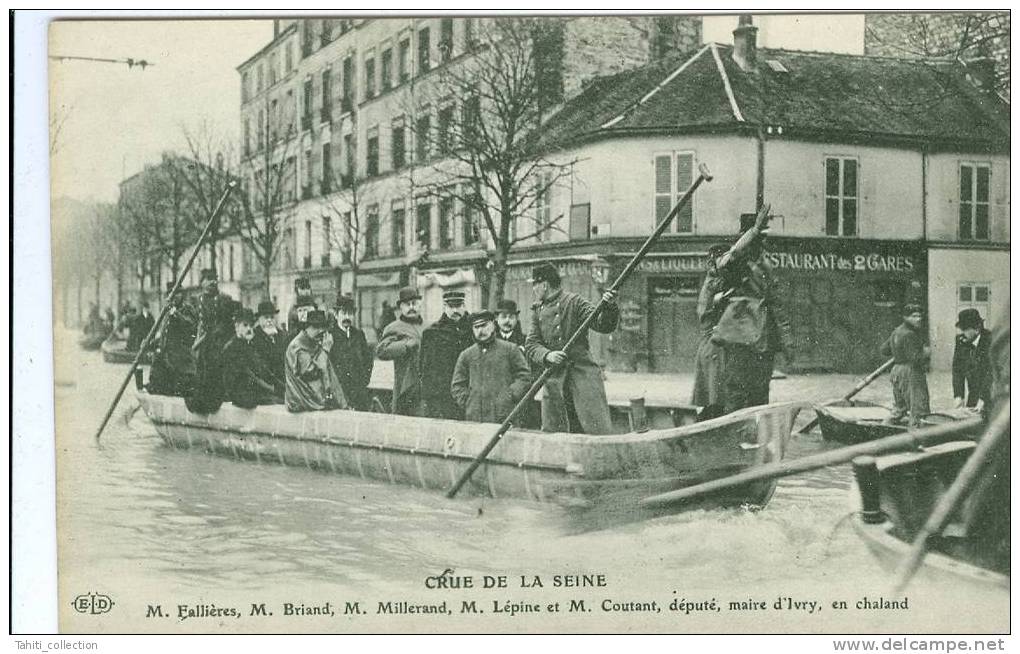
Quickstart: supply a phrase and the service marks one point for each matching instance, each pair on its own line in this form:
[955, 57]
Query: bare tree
[206, 171]
[486, 159]
[270, 191]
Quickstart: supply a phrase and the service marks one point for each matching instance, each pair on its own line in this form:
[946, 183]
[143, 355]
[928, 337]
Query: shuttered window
[974, 182]
[674, 174]
[841, 197]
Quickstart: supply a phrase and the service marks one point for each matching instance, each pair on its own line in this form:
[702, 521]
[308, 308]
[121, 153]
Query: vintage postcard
[618, 323]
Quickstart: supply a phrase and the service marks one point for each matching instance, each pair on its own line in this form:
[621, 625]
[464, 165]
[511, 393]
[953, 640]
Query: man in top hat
[972, 367]
[351, 356]
[441, 344]
[575, 396]
[491, 376]
[910, 360]
[173, 366]
[312, 383]
[270, 342]
[752, 326]
[304, 303]
[399, 343]
[245, 381]
[215, 328]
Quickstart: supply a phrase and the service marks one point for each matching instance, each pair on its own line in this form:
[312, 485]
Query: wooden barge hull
[571, 469]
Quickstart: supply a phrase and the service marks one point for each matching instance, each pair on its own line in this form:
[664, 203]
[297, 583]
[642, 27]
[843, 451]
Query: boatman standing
[399, 343]
[910, 355]
[173, 367]
[575, 396]
[491, 376]
[215, 328]
[710, 359]
[312, 384]
[441, 344]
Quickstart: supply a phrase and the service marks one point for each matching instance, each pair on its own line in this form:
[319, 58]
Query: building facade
[875, 201]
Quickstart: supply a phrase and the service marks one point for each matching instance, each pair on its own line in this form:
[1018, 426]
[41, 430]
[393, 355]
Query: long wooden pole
[166, 305]
[960, 489]
[704, 176]
[927, 436]
[861, 385]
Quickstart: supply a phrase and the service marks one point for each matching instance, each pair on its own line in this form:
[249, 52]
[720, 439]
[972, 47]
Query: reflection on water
[184, 519]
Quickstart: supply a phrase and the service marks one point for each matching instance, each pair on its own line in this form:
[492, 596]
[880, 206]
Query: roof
[824, 96]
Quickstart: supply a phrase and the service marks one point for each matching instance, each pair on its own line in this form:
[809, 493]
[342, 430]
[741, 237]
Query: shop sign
[862, 262]
[674, 264]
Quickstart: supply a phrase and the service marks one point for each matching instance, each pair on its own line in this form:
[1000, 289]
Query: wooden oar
[911, 439]
[954, 497]
[856, 389]
[704, 176]
[166, 306]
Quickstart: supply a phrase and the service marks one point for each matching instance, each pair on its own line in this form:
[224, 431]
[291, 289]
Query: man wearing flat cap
[215, 328]
[173, 366]
[399, 343]
[972, 367]
[491, 376]
[270, 342]
[351, 356]
[910, 360]
[441, 344]
[575, 396]
[304, 303]
[312, 383]
[246, 383]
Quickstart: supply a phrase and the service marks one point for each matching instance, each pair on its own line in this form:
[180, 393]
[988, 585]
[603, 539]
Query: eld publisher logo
[93, 603]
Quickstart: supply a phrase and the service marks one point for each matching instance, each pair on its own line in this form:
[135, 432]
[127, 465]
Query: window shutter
[663, 186]
[684, 179]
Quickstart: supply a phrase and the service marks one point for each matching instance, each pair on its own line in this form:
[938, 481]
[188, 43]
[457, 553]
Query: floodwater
[147, 525]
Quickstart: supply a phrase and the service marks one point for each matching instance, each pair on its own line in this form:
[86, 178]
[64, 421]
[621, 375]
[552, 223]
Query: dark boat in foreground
[856, 421]
[570, 469]
[115, 351]
[899, 491]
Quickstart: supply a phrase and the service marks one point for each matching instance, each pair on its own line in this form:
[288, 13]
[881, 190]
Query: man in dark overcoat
[270, 342]
[491, 376]
[508, 323]
[173, 366]
[399, 343]
[215, 328]
[575, 396]
[304, 303]
[709, 361]
[351, 356]
[441, 344]
[245, 383]
[972, 367]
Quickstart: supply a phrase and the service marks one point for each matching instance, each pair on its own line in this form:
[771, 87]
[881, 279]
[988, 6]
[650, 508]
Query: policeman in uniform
[441, 344]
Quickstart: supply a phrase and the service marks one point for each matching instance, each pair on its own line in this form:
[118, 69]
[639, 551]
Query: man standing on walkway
[351, 356]
[399, 343]
[910, 355]
[575, 396]
[441, 344]
[491, 376]
[972, 367]
[312, 384]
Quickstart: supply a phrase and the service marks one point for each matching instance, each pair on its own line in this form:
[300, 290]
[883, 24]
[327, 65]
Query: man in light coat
[399, 343]
[575, 396]
[491, 376]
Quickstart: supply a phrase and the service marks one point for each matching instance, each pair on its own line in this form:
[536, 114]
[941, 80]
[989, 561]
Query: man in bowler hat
[312, 383]
[304, 303]
[351, 356]
[972, 368]
[270, 342]
[575, 396]
[399, 343]
[441, 344]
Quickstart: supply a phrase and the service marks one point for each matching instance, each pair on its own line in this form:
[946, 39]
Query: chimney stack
[745, 44]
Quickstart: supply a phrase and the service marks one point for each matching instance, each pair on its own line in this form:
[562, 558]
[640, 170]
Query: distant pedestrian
[575, 395]
[386, 316]
[910, 355]
[399, 343]
[312, 383]
[139, 327]
[972, 368]
[491, 376]
[441, 344]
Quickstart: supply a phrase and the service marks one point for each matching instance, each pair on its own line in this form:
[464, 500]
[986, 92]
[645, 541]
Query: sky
[119, 119]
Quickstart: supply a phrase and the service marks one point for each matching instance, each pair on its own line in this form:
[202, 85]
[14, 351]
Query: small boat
[575, 470]
[856, 421]
[91, 342]
[115, 351]
[897, 494]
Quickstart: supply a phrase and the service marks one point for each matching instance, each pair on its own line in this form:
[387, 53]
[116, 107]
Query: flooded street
[146, 525]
